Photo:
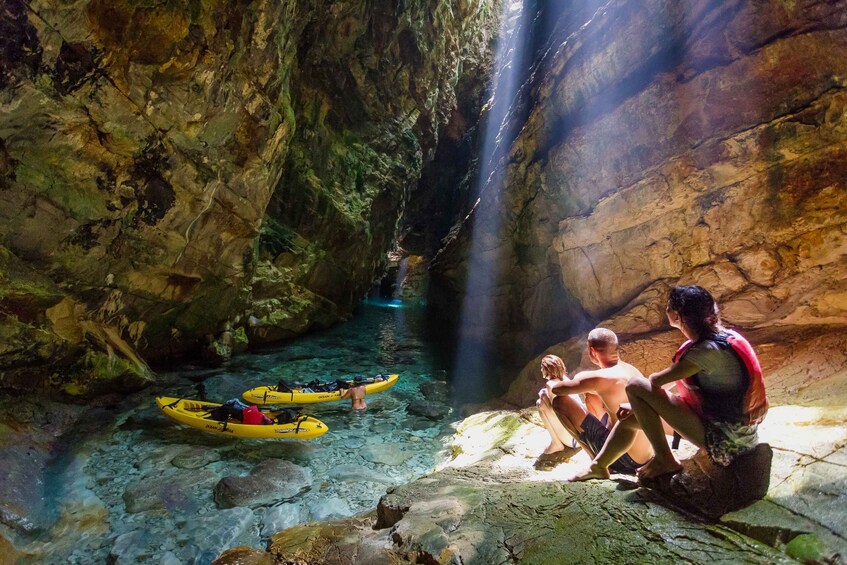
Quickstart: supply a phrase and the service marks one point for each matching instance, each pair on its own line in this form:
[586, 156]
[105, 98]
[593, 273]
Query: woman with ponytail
[720, 396]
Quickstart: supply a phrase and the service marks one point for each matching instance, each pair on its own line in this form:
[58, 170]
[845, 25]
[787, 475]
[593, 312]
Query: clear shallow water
[140, 487]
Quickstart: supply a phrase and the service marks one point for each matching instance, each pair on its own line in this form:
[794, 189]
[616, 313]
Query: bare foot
[655, 468]
[593, 472]
[553, 448]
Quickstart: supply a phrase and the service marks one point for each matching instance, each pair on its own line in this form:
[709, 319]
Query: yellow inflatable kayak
[306, 395]
[195, 413]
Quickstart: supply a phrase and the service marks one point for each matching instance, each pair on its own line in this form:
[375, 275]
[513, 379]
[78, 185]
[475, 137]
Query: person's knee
[637, 387]
[569, 408]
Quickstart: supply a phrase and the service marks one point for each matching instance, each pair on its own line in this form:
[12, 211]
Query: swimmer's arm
[675, 372]
[583, 382]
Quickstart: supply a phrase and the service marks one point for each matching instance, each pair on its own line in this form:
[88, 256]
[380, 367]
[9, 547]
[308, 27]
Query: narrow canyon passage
[199, 198]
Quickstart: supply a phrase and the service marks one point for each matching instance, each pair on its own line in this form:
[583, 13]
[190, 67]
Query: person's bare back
[608, 382]
[357, 394]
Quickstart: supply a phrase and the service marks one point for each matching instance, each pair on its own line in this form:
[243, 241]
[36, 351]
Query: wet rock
[167, 491]
[333, 507]
[195, 458]
[390, 510]
[244, 556]
[385, 454]
[777, 526]
[437, 391]
[132, 547]
[330, 543]
[268, 482]
[169, 558]
[463, 517]
[29, 431]
[204, 537]
[8, 551]
[278, 518]
[711, 490]
[428, 409]
[350, 472]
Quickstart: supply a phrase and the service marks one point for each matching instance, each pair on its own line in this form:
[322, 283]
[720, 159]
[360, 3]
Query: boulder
[268, 482]
[711, 490]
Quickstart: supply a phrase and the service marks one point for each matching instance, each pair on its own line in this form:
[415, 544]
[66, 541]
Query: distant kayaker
[591, 424]
[357, 394]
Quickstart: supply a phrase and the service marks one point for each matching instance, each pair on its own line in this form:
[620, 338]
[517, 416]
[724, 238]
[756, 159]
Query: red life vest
[755, 403]
[252, 416]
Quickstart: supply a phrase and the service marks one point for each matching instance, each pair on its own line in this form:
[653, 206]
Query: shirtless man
[608, 383]
[357, 394]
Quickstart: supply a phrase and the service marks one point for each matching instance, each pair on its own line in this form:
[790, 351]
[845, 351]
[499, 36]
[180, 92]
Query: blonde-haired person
[561, 447]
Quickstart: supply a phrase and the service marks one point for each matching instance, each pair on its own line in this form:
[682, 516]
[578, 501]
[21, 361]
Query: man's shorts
[594, 434]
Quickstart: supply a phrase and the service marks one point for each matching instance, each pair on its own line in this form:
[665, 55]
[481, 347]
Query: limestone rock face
[173, 172]
[671, 143]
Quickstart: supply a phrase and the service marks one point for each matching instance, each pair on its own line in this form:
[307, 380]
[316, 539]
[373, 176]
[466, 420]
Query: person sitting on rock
[604, 389]
[720, 401]
[562, 446]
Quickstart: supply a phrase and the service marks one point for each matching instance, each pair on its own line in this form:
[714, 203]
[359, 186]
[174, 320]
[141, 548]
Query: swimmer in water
[357, 395]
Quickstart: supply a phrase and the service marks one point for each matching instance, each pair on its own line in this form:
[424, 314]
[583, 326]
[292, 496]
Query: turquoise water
[138, 488]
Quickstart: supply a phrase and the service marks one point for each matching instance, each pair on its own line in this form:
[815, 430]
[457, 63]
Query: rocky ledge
[488, 505]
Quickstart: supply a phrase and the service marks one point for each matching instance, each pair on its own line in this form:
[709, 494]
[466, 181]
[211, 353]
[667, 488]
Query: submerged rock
[132, 547]
[431, 409]
[268, 482]
[385, 454]
[204, 537]
[333, 507]
[195, 458]
[278, 518]
[31, 433]
[167, 491]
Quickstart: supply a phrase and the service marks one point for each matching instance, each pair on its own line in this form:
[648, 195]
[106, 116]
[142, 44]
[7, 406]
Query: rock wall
[183, 175]
[672, 142]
